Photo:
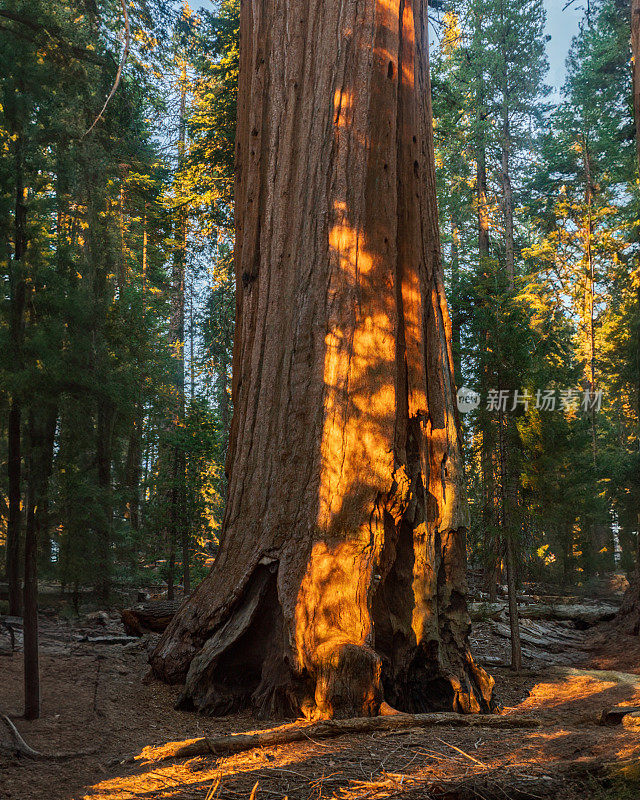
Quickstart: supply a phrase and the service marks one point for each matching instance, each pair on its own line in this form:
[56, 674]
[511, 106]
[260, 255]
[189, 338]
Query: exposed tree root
[21, 748]
[286, 734]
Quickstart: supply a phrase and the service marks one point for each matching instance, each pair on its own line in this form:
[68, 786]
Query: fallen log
[556, 641]
[580, 614]
[296, 732]
[151, 617]
[586, 615]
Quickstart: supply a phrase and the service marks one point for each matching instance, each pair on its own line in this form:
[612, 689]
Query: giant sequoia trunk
[340, 579]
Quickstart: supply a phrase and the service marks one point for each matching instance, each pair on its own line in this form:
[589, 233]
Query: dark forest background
[117, 306]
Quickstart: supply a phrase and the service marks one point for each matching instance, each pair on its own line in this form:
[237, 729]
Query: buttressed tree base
[340, 580]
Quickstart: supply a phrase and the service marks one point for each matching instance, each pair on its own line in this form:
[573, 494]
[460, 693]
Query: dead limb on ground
[21, 748]
[286, 734]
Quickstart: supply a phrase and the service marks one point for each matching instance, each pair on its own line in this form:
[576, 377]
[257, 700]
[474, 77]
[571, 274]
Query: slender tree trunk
[510, 474]
[493, 543]
[31, 661]
[509, 513]
[456, 339]
[178, 529]
[507, 199]
[186, 537]
[133, 465]
[507, 191]
[482, 200]
[18, 289]
[516, 648]
[15, 500]
[483, 207]
[481, 163]
[340, 578]
[589, 290]
[40, 439]
[171, 567]
[192, 363]
[186, 553]
[104, 523]
[602, 536]
[133, 468]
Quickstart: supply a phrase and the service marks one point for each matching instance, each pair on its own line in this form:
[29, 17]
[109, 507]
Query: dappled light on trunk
[341, 575]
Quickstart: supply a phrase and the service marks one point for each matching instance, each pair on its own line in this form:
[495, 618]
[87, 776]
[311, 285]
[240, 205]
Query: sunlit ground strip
[317, 768]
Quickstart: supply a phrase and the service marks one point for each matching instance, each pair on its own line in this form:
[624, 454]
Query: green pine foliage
[570, 318]
[93, 361]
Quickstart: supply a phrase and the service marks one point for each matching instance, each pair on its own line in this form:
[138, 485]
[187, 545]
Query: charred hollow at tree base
[246, 663]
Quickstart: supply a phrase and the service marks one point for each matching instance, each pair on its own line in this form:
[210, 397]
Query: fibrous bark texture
[340, 579]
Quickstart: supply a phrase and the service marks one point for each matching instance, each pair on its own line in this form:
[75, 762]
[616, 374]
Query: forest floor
[94, 698]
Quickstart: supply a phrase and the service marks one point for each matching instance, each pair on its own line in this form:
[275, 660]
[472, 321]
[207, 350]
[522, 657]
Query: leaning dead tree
[340, 579]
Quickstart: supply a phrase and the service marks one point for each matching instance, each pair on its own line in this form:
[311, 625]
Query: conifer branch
[123, 61]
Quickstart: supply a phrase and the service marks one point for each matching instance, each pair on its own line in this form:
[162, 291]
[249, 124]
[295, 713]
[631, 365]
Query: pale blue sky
[561, 25]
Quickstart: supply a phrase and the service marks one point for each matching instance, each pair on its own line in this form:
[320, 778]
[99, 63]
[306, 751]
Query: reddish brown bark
[341, 573]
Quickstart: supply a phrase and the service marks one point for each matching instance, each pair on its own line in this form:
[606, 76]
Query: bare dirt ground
[94, 699]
